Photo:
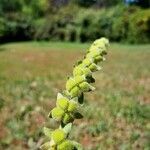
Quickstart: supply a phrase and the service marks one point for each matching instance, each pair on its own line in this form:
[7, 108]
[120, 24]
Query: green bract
[57, 113]
[58, 135]
[81, 70]
[64, 110]
[62, 103]
[67, 118]
[73, 106]
[80, 85]
[68, 105]
[75, 92]
[93, 67]
[66, 145]
[85, 87]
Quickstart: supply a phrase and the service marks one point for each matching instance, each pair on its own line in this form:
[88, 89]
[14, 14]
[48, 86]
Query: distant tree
[142, 3]
[58, 3]
[98, 3]
[10, 6]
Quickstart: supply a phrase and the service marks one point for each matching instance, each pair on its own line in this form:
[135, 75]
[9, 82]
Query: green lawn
[116, 115]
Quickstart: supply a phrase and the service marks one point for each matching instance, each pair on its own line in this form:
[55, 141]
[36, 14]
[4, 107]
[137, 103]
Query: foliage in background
[72, 21]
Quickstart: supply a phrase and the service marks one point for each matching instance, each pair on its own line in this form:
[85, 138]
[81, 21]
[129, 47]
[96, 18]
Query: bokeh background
[40, 41]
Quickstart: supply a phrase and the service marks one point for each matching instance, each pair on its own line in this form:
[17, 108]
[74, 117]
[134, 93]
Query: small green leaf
[47, 132]
[46, 146]
[58, 135]
[67, 118]
[77, 145]
[66, 145]
[67, 128]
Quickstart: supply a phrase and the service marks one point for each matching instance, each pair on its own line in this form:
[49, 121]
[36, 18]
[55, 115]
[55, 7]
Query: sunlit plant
[70, 101]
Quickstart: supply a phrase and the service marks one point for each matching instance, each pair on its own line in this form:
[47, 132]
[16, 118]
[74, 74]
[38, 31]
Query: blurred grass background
[40, 40]
[116, 115]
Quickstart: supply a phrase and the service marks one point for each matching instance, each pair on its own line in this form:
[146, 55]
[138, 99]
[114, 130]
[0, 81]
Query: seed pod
[57, 113]
[85, 87]
[66, 145]
[75, 92]
[80, 70]
[90, 63]
[87, 61]
[58, 136]
[63, 103]
[93, 67]
[79, 79]
[103, 42]
[73, 106]
[70, 84]
[93, 53]
[67, 118]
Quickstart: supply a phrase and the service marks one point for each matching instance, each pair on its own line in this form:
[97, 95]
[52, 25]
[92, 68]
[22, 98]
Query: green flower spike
[68, 105]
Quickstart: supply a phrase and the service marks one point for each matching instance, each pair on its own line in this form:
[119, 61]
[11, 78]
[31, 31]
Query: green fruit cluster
[77, 84]
[68, 104]
[65, 110]
[58, 139]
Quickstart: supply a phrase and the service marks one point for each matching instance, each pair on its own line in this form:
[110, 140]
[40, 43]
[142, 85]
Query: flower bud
[87, 61]
[93, 53]
[67, 118]
[85, 87]
[102, 42]
[63, 103]
[70, 84]
[80, 70]
[57, 113]
[79, 79]
[93, 67]
[75, 92]
[72, 106]
[66, 145]
[58, 136]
